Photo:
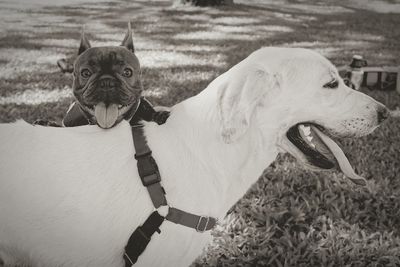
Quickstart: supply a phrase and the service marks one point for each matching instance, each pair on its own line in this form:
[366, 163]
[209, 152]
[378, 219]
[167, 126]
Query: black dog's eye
[85, 73]
[127, 72]
[332, 85]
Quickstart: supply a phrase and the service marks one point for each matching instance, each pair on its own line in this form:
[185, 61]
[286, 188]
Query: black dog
[107, 82]
[107, 87]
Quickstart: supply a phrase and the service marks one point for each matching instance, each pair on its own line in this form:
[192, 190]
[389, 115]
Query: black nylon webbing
[150, 177]
[200, 223]
[147, 167]
[141, 237]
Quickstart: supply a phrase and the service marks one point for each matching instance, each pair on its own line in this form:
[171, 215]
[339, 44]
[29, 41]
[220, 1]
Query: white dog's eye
[332, 84]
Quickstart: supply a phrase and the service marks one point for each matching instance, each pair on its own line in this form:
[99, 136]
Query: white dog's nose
[383, 113]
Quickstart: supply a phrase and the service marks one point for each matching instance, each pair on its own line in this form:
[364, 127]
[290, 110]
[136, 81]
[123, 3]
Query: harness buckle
[199, 227]
[151, 179]
[148, 171]
[139, 156]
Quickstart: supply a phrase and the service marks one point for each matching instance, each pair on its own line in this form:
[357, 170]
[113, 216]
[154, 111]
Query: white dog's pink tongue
[106, 116]
[341, 158]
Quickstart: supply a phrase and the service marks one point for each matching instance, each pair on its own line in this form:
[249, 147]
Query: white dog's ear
[239, 98]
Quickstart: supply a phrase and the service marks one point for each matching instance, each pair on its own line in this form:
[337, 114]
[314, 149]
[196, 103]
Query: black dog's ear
[85, 45]
[128, 40]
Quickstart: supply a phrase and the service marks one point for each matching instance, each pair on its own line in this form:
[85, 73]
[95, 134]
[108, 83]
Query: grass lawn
[291, 216]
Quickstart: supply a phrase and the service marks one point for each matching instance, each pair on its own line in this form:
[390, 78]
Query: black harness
[78, 116]
[151, 179]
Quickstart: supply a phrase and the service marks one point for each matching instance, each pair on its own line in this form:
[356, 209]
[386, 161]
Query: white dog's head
[299, 95]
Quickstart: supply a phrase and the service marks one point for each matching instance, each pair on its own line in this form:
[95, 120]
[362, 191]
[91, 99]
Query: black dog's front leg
[75, 116]
[160, 117]
[147, 112]
[46, 123]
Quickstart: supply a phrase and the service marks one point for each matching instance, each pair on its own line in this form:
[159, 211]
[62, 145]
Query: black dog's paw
[160, 117]
[46, 123]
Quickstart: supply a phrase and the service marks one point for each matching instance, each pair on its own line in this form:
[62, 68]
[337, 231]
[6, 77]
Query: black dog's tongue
[106, 116]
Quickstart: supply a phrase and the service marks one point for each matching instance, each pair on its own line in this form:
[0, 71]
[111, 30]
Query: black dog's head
[107, 81]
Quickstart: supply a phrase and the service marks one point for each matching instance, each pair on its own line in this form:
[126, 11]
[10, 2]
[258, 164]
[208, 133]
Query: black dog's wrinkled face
[107, 81]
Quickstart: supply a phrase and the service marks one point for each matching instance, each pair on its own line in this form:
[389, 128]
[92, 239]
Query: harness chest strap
[151, 179]
[147, 168]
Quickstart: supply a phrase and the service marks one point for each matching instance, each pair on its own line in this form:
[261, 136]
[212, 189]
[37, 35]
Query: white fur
[72, 196]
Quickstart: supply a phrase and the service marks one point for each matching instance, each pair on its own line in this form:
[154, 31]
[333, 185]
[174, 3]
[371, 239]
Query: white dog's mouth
[317, 149]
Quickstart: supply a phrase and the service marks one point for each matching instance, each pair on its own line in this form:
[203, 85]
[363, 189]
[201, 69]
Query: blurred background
[291, 216]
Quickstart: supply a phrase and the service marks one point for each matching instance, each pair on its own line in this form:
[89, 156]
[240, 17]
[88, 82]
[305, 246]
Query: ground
[291, 216]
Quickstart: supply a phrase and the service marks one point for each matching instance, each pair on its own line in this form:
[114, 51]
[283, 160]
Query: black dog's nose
[107, 82]
[383, 114]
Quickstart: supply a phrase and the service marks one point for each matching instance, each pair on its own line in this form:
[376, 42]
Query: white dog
[72, 196]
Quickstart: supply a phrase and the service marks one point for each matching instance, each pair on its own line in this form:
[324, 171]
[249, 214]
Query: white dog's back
[78, 203]
[57, 183]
